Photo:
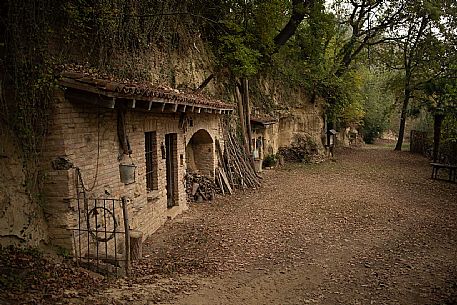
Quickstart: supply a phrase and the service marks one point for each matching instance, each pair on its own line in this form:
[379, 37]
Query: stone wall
[307, 120]
[87, 138]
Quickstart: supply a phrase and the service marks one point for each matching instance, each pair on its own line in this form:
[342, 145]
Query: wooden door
[172, 169]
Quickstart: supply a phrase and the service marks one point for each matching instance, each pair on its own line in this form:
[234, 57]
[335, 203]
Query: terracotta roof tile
[103, 85]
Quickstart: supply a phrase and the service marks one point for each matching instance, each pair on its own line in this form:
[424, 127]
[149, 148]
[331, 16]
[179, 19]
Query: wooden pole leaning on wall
[242, 115]
[247, 112]
[125, 201]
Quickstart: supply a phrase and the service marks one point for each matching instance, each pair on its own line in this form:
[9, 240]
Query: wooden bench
[452, 169]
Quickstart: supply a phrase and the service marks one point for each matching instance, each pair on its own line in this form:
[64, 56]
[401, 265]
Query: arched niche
[200, 153]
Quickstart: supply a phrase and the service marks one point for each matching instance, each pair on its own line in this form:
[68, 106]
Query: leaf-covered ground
[370, 228]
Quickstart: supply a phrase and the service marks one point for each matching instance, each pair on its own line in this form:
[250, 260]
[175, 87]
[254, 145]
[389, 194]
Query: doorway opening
[171, 152]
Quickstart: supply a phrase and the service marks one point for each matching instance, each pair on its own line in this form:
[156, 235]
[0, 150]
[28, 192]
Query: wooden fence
[420, 143]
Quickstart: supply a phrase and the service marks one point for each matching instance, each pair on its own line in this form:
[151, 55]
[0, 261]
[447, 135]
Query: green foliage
[345, 100]
[440, 94]
[424, 122]
[306, 59]
[449, 137]
[235, 51]
[449, 129]
[270, 160]
[378, 102]
[309, 60]
[29, 80]
[249, 29]
[65, 253]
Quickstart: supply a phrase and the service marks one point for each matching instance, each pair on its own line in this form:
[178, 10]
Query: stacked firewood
[235, 170]
[200, 188]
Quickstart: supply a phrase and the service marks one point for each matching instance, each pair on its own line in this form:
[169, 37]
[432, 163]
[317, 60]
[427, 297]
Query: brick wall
[204, 154]
[200, 153]
[87, 137]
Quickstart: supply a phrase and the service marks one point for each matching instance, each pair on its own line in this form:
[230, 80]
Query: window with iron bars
[150, 146]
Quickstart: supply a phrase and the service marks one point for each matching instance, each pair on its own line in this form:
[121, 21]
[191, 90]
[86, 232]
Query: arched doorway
[200, 153]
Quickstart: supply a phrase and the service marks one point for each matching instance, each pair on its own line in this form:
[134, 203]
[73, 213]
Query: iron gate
[100, 240]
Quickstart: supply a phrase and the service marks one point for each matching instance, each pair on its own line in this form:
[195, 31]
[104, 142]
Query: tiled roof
[263, 120]
[104, 86]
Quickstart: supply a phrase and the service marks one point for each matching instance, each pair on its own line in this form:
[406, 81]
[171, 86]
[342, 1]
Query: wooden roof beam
[131, 103]
[92, 99]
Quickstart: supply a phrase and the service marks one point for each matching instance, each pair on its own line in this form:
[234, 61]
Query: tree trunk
[438, 120]
[299, 10]
[205, 83]
[136, 245]
[404, 109]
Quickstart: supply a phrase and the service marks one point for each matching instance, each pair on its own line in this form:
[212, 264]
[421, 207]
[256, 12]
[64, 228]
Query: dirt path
[371, 228]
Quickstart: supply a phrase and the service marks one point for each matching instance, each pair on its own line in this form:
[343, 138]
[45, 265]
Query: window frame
[150, 153]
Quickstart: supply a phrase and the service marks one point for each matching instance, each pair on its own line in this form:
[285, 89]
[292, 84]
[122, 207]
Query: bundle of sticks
[235, 170]
[237, 165]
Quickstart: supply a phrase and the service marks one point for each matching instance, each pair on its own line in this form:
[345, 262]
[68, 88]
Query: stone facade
[307, 120]
[268, 135]
[86, 137]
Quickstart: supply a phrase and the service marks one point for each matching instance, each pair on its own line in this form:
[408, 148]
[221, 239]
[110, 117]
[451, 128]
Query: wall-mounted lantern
[331, 135]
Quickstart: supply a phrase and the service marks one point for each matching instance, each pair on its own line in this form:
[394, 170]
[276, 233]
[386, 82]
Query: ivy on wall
[39, 37]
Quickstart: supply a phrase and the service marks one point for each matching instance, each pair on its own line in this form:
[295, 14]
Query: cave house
[110, 140]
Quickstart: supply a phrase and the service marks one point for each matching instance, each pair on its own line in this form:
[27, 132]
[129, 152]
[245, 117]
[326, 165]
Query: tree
[364, 24]
[359, 25]
[254, 31]
[440, 99]
[378, 101]
[411, 46]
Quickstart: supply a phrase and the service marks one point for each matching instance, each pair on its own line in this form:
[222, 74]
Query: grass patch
[389, 146]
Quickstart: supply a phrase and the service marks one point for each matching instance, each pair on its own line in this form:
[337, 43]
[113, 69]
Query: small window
[150, 146]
